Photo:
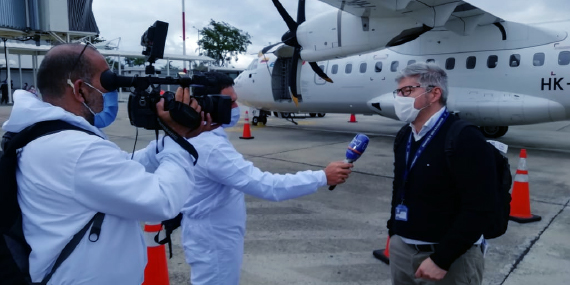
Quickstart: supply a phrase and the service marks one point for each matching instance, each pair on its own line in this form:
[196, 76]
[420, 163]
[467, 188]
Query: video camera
[147, 92]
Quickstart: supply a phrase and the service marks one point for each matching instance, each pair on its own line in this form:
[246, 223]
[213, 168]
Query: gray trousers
[405, 260]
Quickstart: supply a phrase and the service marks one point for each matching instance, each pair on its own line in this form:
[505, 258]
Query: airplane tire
[275, 114]
[321, 115]
[313, 115]
[494, 132]
[285, 115]
[255, 120]
[263, 120]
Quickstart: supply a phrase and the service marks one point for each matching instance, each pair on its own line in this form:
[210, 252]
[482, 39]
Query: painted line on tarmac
[527, 250]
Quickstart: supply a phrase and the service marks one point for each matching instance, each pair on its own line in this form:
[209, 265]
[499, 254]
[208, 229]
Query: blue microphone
[355, 149]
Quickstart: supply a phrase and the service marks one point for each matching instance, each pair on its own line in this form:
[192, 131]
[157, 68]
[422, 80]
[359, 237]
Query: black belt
[428, 247]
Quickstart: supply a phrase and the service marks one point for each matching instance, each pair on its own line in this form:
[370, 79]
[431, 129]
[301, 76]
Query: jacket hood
[28, 110]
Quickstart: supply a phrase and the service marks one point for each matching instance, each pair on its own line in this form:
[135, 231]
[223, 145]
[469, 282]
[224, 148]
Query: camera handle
[179, 140]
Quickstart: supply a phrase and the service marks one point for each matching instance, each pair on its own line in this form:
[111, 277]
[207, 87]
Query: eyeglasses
[407, 90]
[79, 57]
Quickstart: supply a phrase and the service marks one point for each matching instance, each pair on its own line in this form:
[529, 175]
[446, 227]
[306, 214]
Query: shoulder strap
[97, 221]
[453, 134]
[13, 141]
[400, 136]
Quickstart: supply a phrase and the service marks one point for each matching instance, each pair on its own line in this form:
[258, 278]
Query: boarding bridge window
[334, 69]
[515, 60]
[394, 66]
[471, 62]
[363, 67]
[538, 59]
[492, 61]
[378, 66]
[348, 68]
[431, 60]
[450, 63]
[564, 58]
[411, 62]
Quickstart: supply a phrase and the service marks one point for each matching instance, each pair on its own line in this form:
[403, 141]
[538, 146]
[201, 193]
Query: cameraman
[213, 223]
[65, 178]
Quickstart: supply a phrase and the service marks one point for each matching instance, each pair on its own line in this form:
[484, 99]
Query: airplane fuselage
[497, 77]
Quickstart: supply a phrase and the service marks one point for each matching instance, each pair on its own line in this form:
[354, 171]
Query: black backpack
[14, 250]
[499, 220]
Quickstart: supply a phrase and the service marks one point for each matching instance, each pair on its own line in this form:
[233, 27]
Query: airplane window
[363, 67]
[538, 59]
[431, 60]
[322, 67]
[411, 62]
[348, 68]
[471, 62]
[564, 58]
[450, 63]
[492, 61]
[378, 66]
[515, 60]
[334, 69]
[394, 66]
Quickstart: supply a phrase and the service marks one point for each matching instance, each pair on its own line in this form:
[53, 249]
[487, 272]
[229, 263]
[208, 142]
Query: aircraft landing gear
[494, 131]
[262, 118]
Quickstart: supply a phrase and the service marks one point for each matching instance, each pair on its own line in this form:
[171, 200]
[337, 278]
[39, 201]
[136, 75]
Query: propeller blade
[265, 49]
[320, 72]
[291, 24]
[301, 12]
[293, 76]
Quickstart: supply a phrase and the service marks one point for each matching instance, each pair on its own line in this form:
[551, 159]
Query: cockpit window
[252, 65]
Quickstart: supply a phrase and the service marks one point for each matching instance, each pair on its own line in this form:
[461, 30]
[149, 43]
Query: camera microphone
[355, 149]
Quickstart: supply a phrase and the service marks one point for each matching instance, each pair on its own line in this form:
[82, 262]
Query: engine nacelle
[340, 34]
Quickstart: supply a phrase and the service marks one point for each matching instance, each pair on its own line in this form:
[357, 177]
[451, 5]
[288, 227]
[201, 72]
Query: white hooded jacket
[65, 178]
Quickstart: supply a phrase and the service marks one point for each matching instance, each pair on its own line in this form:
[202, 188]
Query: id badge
[401, 213]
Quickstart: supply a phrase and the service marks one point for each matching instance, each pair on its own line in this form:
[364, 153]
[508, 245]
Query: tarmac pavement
[328, 237]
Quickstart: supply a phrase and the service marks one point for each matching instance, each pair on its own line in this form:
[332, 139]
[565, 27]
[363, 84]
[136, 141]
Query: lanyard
[421, 148]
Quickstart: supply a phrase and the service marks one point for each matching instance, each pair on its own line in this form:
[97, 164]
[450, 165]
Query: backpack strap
[453, 135]
[400, 136]
[97, 221]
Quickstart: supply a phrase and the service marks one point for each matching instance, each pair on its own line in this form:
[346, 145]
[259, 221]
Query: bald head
[63, 62]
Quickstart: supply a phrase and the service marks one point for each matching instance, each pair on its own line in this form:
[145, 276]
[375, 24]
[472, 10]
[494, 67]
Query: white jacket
[67, 177]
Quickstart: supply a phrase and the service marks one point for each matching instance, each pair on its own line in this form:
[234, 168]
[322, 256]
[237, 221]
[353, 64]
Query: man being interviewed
[213, 223]
[439, 209]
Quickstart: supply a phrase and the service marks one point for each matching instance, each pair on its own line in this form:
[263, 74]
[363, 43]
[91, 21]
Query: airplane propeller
[290, 39]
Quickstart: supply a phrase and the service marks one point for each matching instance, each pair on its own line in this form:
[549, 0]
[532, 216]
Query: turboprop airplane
[501, 73]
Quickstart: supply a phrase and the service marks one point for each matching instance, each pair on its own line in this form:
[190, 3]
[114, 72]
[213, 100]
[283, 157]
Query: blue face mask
[235, 118]
[110, 108]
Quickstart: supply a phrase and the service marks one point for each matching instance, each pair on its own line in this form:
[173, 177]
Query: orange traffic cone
[520, 203]
[246, 130]
[383, 254]
[352, 119]
[156, 270]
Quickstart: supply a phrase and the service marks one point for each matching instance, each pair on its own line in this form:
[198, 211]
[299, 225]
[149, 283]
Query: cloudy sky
[129, 19]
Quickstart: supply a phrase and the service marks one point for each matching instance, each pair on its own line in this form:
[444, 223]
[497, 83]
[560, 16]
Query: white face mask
[404, 107]
[235, 118]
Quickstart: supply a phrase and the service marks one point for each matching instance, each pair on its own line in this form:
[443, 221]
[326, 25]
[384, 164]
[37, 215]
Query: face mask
[404, 107]
[235, 118]
[110, 108]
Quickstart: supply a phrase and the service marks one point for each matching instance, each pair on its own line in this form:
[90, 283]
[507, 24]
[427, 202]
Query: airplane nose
[383, 105]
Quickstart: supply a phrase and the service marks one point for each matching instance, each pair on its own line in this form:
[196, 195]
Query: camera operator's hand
[183, 96]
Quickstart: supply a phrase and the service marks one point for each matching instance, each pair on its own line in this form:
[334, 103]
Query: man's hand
[183, 95]
[337, 172]
[430, 271]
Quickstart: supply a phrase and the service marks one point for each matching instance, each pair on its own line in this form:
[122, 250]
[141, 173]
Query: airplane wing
[457, 16]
